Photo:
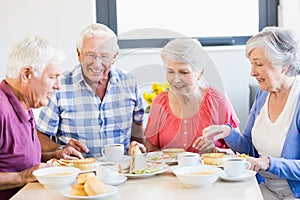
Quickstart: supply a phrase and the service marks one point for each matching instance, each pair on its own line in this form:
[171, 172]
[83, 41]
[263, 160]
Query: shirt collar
[18, 108]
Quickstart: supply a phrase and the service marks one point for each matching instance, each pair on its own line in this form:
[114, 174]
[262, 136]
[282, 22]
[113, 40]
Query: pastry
[213, 158]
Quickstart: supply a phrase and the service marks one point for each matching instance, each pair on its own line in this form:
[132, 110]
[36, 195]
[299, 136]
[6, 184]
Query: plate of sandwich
[141, 168]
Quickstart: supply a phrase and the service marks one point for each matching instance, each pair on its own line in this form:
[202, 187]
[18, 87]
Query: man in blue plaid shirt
[97, 104]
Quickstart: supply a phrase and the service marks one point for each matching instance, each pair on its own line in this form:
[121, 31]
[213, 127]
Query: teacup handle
[248, 165]
[103, 152]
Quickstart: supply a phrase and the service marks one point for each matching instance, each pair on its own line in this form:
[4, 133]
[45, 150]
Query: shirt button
[184, 132]
[184, 121]
[184, 145]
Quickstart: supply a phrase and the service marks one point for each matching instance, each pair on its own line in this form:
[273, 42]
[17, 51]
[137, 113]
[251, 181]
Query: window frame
[106, 13]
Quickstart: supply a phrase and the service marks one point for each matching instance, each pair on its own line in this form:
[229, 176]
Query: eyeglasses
[91, 57]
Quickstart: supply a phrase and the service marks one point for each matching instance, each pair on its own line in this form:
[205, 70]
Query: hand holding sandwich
[133, 145]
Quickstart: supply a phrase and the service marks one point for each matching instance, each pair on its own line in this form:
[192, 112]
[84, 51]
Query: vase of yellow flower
[157, 88]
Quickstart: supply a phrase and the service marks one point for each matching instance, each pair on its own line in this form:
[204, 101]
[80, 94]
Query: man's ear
[78, 55]
[285, 69]
[26, 74]
[115, 57]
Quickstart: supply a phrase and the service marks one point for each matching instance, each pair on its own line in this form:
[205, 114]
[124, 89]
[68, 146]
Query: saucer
[118, 180]
[248, 174]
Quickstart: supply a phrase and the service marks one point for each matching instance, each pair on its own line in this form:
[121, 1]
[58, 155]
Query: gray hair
[280, 46]
[34, 51]
[101, 31]
[185, 50]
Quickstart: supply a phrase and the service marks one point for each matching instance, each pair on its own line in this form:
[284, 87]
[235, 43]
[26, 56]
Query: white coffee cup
[189, 159]
[107, 172]
[113, 152]
[235, 166]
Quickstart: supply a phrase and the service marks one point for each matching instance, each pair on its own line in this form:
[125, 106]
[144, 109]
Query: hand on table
[69, 153]
[27, 173]
[258, 164]
[135, 143]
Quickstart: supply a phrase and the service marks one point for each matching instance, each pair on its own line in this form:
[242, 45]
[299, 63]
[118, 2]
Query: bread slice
[94, 186]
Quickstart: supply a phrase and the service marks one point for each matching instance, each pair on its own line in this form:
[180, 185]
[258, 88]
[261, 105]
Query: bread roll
[213, 158]
[93, 186]
[78, 190]
[85, 164]
[82, 178]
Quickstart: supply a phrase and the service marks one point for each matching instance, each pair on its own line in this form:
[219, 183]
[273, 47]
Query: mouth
[96, 70]
[178, 86]
[259, 80]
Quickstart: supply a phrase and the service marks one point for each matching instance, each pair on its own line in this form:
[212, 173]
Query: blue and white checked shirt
[77, 112]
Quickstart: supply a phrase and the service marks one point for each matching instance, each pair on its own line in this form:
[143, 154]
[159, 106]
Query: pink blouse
[165, 130]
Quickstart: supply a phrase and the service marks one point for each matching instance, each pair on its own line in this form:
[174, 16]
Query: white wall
[289, 15]
[59, 20]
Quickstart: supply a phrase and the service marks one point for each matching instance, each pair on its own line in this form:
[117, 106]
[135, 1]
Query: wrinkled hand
[216, 132]
[69, 153]
[135, 143]
[27, 173]
[258, 164]
[77, 145]
[204, 145]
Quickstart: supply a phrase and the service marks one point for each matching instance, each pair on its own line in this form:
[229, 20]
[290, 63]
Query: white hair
[101, 31]
[281, 47]
[34, 51]
[185, 50]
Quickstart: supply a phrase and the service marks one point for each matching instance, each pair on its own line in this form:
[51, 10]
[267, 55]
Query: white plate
[120, 179]
[164, 169]
[110, 191]
[248, 174]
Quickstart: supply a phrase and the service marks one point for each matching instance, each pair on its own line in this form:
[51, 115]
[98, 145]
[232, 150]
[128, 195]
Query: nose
[57, 84]
[177, 78]
[253, 72]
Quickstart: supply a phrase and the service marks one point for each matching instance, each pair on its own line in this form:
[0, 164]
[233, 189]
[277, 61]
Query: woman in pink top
[178, 116]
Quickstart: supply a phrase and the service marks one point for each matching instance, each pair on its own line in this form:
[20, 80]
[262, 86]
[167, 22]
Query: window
[214, 22]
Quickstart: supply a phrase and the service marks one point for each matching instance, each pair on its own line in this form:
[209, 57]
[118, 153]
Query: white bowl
[56, 177]
[198, 176]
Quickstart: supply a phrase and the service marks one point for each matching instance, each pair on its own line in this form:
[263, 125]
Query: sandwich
[138, 161]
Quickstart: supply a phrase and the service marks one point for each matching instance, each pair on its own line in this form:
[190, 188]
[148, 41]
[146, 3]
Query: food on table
[82, 178]
[61, 162]
[88, 185]
[173, 152]
[78, 190]
[85, 164]
[139, 164]
[94, 186]
[158, 156]
[213, 158]
[199, 173]
[138, 161]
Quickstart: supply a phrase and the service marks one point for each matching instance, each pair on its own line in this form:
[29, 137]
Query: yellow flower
[157, 88]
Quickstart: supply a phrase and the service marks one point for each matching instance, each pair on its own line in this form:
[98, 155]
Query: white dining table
[159, 187]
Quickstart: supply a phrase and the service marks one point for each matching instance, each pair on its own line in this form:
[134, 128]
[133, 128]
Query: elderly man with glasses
[98, 104]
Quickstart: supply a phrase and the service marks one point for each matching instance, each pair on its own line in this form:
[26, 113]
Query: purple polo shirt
[20, 147]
